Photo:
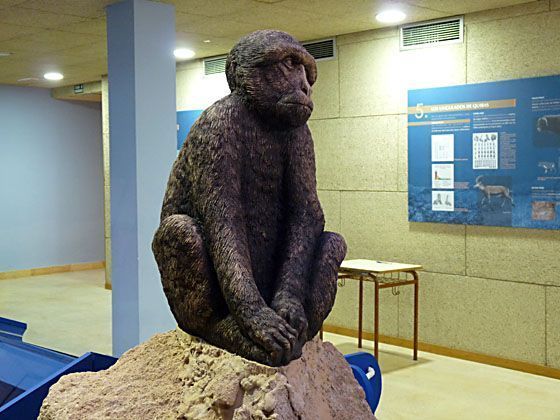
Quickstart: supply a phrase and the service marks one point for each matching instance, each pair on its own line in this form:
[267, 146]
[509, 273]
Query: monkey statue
[244, 261]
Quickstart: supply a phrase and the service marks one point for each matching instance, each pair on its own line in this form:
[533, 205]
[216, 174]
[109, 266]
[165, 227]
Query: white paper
[443, 148]
[485, 150]
[443, 201]
[442, 175]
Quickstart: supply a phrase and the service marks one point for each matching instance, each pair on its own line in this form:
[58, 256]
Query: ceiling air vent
[321, 50]
[432, 33]
[215, 65]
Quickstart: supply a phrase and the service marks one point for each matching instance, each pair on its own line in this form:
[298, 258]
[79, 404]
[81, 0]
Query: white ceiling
[69, 35]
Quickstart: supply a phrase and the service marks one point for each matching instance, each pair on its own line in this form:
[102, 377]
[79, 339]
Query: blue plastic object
[28, 371]
[361, 363]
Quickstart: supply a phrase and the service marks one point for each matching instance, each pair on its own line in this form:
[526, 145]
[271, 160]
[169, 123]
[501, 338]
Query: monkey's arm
[305, 221]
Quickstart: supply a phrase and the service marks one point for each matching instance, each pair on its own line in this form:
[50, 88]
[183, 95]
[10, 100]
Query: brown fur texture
[244, 261]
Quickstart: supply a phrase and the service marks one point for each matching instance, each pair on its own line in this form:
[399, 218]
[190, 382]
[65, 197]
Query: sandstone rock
[176, 376]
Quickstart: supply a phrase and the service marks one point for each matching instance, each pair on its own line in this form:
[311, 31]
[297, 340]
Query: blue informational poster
[185, 120]
[486, 154]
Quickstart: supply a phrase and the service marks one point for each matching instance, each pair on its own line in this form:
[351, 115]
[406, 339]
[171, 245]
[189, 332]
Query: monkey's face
[280, 88]
[274, 74]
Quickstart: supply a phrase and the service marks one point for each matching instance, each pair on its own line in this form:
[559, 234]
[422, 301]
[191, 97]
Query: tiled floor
[68, 312]
[442, 388]
[71, 312]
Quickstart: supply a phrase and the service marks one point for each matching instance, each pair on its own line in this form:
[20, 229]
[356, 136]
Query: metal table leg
[376, 320]
[416, 290]
[360, 308]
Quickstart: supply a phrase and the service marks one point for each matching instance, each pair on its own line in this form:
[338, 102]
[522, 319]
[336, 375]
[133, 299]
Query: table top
[371, 266]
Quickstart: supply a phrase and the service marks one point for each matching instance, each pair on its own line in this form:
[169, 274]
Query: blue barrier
[28, 371]
[366, 371]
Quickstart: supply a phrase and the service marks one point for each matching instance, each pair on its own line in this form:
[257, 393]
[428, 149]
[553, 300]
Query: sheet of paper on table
[372, 266]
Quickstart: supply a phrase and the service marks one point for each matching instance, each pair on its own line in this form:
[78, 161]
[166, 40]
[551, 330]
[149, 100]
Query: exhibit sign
[185, 120]
[486, 154]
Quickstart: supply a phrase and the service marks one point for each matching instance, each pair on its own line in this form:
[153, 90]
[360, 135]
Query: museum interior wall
[486, 290]
[494, 291]
[52, 185]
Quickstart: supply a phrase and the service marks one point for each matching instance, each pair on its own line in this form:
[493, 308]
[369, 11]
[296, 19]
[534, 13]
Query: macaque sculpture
[244, 261]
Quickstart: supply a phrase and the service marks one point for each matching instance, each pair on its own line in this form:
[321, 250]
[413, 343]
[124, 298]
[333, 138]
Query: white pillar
[141, 39]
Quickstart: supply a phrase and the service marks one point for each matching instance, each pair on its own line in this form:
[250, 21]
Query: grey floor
[71, 312]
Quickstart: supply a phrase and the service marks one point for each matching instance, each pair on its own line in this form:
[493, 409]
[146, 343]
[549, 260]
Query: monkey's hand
[272, 333]
[291, 310]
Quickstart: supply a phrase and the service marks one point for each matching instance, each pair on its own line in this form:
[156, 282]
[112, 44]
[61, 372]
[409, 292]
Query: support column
[141, 38]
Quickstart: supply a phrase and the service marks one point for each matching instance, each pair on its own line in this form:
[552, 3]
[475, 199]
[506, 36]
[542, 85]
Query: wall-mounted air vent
[215, 65]
[432, 33]
[321, 50]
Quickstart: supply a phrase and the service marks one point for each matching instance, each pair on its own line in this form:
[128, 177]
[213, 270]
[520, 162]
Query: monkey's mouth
[299, 104]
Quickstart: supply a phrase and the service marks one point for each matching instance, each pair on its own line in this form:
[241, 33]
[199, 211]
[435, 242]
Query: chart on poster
[486, 154]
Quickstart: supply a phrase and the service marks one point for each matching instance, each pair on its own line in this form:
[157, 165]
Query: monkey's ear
[311, 72]
[231, 76]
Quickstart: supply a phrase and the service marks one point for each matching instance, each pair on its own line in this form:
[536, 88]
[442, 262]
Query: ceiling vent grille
[215, 65]
[321, 50]
[432, 33]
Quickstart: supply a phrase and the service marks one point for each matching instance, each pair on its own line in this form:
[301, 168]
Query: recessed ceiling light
[5, 54]
[390, 16]
[206, 41]
[53, 76]
[183, 53]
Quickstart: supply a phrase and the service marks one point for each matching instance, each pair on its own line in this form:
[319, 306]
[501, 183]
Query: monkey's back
[228, 149]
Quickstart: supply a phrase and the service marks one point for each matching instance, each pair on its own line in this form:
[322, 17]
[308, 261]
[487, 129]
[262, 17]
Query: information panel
[185, 120]
[486, 154]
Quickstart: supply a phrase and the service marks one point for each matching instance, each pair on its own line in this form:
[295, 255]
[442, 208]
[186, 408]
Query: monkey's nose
[306, 88]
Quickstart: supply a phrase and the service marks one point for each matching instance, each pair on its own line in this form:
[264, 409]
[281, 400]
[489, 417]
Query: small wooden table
[376, 272]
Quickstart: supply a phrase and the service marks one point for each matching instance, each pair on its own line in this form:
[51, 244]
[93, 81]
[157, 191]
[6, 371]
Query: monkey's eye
[289, 62]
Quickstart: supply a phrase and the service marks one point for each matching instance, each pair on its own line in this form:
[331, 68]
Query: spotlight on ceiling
[390, 16]
[53, 76]
[5, 54]
[207, 41]
[183, 53]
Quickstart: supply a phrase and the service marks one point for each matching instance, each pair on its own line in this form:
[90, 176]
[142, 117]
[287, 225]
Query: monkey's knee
[188, 279]
[331, 250]
[177, 233]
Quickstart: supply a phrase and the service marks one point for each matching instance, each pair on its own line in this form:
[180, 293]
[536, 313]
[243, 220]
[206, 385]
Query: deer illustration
[490, 190]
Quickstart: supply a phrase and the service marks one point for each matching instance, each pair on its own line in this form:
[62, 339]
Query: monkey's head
[273, 74]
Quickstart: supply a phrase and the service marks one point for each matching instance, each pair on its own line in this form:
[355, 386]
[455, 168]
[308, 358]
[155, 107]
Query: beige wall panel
[499, 318]
[369, 82]
[555, 4]
[325, 91]
[345, 310]
[525, 46]
[367, 36]
[527, 8]
[330, 202]
[107, 210]
[402, 182]
[197, 91]
[431, 67]
[105, 104]
[553, 326]
[106, 160]
[524, 255]
[375, 225]
[108, 261]
[375, 76]
[356, 153]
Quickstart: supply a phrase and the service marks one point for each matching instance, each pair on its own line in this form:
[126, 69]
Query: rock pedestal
[176, 376]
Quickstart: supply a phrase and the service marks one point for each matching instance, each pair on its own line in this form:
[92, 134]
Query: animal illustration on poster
[242, 252]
